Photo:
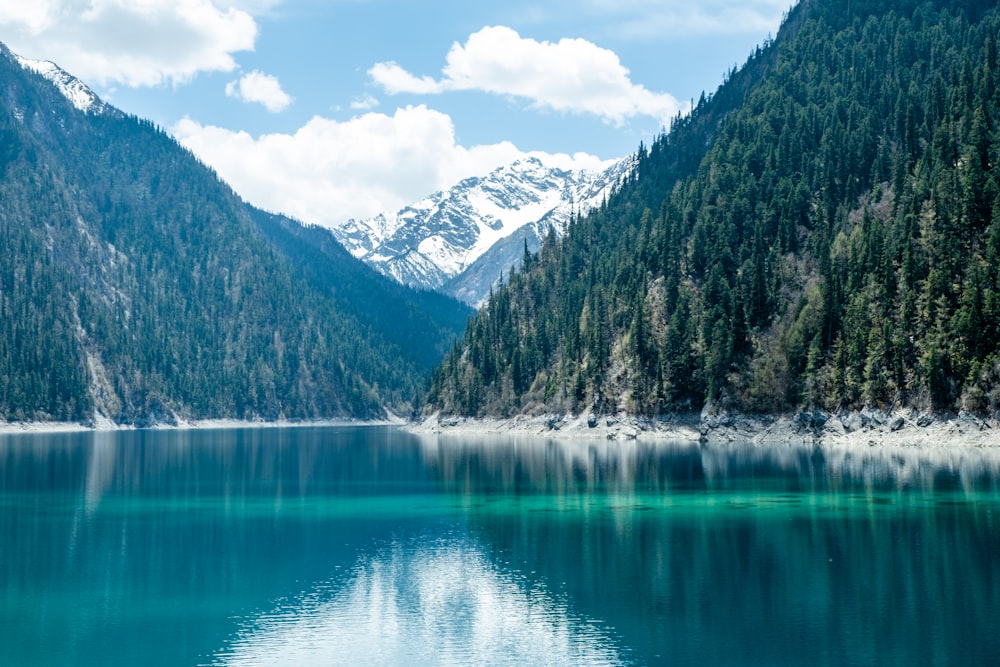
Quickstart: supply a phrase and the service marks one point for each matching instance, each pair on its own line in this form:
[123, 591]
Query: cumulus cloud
[571, 75]
[260, 88]
[394, 80]
[31, 16]
[330, 171]
[145, 43]
[365, 103]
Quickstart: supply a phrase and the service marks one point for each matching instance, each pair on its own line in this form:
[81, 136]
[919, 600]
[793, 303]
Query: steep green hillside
[824, 230]
[135, 284]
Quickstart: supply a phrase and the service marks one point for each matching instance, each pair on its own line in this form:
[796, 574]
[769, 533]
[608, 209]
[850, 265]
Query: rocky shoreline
[857, 428]
[900, 428]
[7, 428]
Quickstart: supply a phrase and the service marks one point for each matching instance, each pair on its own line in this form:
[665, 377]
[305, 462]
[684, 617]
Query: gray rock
[896, 424]
[851, 421]
[971, 419]
[810, 420]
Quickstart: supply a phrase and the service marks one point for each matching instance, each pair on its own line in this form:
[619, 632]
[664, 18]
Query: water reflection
[481, 464]
[371, 545]
[429, 601]
[750, 555]
[238, 463]
[110, 540]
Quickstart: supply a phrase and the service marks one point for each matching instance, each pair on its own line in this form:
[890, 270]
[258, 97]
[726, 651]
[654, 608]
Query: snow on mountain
[458, 241]
[79, 95]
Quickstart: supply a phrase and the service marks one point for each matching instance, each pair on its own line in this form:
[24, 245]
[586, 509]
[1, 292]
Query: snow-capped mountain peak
[77, 92]
[459, 240]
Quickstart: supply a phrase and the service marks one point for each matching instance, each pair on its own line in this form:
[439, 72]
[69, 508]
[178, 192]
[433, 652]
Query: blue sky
[327, 110]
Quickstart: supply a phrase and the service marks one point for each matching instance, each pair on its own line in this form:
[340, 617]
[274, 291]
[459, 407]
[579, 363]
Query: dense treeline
[134, 283]
[423, 323]
[825, 230]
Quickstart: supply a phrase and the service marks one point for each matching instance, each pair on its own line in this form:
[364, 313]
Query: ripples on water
[370, 546]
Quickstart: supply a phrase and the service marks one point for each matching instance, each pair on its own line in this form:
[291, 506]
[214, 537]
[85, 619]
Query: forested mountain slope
[824, 231]
[136, 286]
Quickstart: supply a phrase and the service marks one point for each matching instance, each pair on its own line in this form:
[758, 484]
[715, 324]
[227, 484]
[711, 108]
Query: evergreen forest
[823, 231]
[136, 287]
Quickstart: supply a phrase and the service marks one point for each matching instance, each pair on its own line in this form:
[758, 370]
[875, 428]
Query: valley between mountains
[817, 240]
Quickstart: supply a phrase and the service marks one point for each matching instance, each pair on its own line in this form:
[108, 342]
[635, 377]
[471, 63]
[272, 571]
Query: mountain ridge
[822, 231]
[137, 287]
[76, 91]
[444, 241]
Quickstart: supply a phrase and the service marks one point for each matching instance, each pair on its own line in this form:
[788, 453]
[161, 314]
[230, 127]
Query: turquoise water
[356, 546]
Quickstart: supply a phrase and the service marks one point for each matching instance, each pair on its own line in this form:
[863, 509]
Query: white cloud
[571, 75]
[260, 88]
[394, 79]
[32, 17]
[329, 171]
[365, 103]
[130, 42]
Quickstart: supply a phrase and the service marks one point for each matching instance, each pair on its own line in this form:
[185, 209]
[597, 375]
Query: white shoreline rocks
[104, 424]
[862, 428]
[866, 428]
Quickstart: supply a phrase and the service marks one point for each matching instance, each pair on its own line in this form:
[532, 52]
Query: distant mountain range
[460, 240]
[821, 232]
[137, 288]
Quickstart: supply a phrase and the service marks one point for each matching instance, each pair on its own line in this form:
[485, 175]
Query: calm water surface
[357, 546]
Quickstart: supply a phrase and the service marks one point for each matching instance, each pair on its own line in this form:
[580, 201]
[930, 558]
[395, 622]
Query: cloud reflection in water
[438, 602]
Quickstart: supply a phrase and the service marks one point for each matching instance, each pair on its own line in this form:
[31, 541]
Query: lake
[368, 546]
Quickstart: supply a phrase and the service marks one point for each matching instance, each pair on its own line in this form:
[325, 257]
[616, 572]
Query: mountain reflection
[429, 601]
[537, 465]
[371, 545]
[237, 464]
[749, 555]
[109, 540]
